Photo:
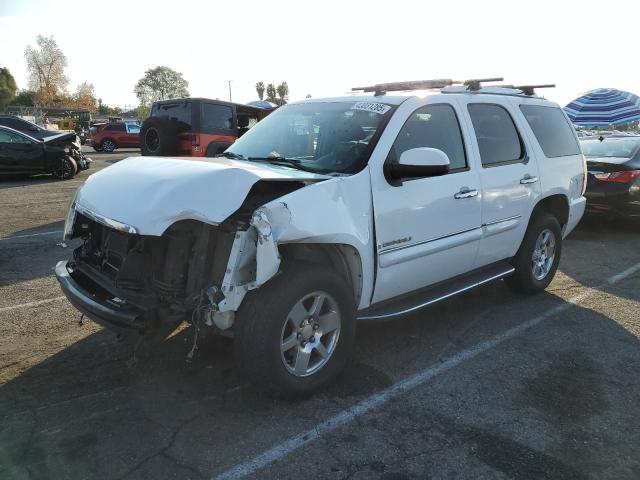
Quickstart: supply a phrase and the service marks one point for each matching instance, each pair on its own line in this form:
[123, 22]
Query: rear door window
[498, 138]
[216, 117]
[552, 130]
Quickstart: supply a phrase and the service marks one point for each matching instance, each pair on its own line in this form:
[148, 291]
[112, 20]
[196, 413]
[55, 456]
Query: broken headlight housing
[71, 218]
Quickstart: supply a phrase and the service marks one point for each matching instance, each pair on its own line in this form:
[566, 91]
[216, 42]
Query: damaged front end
[194, 271]
[67, 144]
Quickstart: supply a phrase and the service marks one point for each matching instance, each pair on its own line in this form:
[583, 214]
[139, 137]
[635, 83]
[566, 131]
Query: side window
[109, 128]
[433, 126]
[498, 139]
[133, 128]
[552, 130]
[121, 127]
[216, 117]
[11, 137]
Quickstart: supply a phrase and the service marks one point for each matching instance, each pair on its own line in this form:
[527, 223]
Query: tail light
[625, 176]
[584, 175]
[195, 140]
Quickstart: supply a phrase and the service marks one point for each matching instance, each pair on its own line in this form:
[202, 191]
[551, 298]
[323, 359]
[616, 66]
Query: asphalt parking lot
[488, 385]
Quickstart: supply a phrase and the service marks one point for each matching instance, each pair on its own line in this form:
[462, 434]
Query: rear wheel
[108, 145]
[537, 259]
[295, 334]
[97, 148]
[65, 169]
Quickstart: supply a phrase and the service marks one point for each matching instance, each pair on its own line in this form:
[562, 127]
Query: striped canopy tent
[604, 106]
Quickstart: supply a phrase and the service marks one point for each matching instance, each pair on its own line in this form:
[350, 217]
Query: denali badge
[396, 242]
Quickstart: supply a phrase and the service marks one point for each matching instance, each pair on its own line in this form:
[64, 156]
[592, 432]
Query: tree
[271, 93]
[24, 98]
[45, 67]
[260, 90]
[84, 97]
[142, 112]
[160, 83]
[283, 93]
[8, 87]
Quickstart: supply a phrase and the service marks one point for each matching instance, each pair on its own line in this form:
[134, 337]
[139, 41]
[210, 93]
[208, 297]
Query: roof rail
[382, 88]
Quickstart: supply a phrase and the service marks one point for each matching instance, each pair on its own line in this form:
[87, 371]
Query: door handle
[466, 192]
[527, 179]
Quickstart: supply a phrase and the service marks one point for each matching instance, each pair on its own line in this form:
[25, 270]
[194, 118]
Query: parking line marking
[346, 416]
[31, 235]
[31, 304]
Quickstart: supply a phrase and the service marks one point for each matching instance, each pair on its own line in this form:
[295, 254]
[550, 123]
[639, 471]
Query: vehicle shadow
[91, 410]
[599, 248]
[22, 181]
[32, 253]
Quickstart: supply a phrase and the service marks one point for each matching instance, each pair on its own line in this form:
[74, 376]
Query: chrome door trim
[514, 217]
[422, 242]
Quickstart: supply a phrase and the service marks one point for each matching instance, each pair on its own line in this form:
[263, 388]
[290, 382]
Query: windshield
[323, 137]
[610, 147]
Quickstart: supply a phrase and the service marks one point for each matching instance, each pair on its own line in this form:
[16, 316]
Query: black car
[25, 126]
[24, 155]
[613, 182]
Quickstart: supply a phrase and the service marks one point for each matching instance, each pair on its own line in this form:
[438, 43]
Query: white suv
[327, 212]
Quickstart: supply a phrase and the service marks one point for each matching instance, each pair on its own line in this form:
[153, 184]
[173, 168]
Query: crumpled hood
[63, 136]
[152, 193]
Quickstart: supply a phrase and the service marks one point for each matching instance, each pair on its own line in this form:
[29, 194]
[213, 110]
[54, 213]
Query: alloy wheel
[543, 254]
[310, 334]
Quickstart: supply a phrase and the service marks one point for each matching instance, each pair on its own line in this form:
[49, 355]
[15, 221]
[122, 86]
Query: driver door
[19, 154]
[427, 229]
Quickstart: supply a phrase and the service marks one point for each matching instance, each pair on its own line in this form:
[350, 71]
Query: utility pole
[229, 90]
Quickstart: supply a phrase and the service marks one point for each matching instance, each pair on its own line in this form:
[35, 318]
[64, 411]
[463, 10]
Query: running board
[441, 291]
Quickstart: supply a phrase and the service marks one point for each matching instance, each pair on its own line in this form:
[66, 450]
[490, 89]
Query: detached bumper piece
[106, 312]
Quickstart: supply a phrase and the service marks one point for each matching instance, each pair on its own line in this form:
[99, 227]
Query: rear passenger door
[508, 175]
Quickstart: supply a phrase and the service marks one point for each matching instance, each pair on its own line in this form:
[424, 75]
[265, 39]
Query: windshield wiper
[235, 156]
[290, 162]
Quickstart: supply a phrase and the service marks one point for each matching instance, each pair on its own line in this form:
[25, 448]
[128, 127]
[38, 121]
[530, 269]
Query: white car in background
[330, 210]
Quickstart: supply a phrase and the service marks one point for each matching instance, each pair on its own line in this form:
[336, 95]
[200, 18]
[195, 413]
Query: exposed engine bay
[194, 271]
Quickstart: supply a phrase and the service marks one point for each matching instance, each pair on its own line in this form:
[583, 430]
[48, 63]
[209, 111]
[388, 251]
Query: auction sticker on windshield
[374, 107]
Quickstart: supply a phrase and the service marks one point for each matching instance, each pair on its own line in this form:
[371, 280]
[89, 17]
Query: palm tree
[271, 93]
[260, 90]
[283, 93]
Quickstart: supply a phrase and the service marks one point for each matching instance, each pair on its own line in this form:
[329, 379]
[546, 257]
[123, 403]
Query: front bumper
[120, 318]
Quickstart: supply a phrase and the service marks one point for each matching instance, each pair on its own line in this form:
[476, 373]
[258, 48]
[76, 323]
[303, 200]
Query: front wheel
[108, 145]
[537, 259]
[294, 335]
[65, 169]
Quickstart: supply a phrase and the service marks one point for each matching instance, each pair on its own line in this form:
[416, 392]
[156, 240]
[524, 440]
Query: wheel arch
[557, 205]
[342, 258]
[109, 138]
[214, 148]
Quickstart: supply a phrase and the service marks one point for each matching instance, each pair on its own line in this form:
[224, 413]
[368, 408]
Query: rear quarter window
[552, 130]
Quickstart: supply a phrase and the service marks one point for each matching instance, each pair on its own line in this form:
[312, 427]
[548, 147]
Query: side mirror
[419, 163]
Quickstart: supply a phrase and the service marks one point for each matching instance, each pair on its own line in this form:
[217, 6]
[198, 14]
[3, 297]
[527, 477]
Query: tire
[66, 169]
[108, 145]
[216, 148]
[97, 148]
[159, 136]
[266, 317]
[532, 275]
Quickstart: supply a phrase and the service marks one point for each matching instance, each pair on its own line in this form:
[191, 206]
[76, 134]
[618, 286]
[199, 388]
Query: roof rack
[382, 88]
[529, 90]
